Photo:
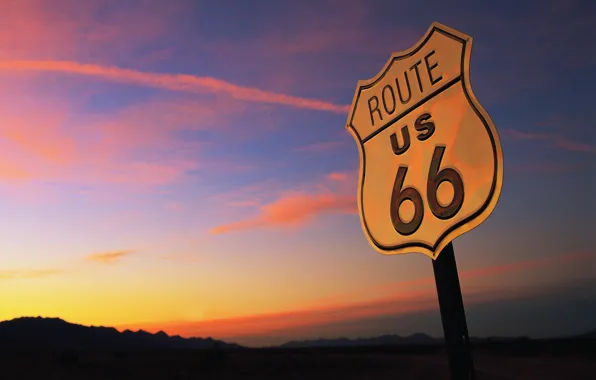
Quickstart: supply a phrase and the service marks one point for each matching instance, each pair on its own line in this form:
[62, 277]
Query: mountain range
[383, 340]
[53, 333]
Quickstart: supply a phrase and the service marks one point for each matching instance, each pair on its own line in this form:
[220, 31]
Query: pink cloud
[544, 168]
[39, 145]
[333, 193]
[521, 135]
[555, 139]
[338, 176]
[137, 148]
[174, 82]
[302, 42]
[252, 194]
[492, 270]
[34, 29]
[293, 209]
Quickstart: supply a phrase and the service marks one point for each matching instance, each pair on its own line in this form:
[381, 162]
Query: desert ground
[504, 362]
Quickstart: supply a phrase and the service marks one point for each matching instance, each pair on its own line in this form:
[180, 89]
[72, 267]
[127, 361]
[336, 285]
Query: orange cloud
[408, 302]
[332, 193]
[43, 142]
[108, 257]
[138, 147]
[173, 82]
[27, 273]
[407, 297]
[13, 172]
[293, 210]
[264, 323]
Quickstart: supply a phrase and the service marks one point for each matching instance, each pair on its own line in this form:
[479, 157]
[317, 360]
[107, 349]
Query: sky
[184, 166]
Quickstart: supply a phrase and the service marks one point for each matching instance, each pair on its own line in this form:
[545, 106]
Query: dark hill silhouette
[588, 335]
[54, 333]
[31, 333]
[417, 339]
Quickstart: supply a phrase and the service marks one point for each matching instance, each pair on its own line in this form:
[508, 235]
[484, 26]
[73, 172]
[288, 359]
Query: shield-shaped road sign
[431, 163]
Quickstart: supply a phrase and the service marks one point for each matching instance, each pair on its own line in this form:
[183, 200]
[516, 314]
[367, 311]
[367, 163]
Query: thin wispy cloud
[28, 273]
[108, 257]
[320, 147]
[174, 82]
[544, 168]
[428, 283]
[405, 303]
[555, 139]
[293, 210]
[299, 204]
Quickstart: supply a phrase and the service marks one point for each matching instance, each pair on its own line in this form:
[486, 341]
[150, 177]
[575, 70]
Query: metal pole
[453, 315]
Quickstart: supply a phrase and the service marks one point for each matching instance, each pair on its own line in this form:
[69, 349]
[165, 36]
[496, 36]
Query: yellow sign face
[431, 163]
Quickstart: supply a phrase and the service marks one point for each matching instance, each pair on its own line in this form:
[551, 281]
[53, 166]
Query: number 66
[435, 178]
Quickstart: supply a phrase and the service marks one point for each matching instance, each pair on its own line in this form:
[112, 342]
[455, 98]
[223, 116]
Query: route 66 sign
[431, 163]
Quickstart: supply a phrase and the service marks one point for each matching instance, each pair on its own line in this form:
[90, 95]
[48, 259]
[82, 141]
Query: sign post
[431, 165]
[451, 304]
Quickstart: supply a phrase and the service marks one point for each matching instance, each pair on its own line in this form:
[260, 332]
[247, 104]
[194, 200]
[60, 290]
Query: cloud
[88, 29]
[544, 168]
[428, 283]
[108, 257]
[556, 140]
[27, 273]
[293, 206]
[263, 323]
[492, 270]
[405, 303]
[246, 203]
[47, 139]
[249, 195]
[320, 147]
[293, 210]
[309, 46]
[405, 297]
[174, 82]
[338, 176]
[13, 172]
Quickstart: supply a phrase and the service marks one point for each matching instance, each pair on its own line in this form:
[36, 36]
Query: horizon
[185, 167]
[331, 339]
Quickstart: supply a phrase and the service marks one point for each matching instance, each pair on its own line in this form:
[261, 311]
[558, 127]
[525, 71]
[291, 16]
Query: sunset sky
[184, 166]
